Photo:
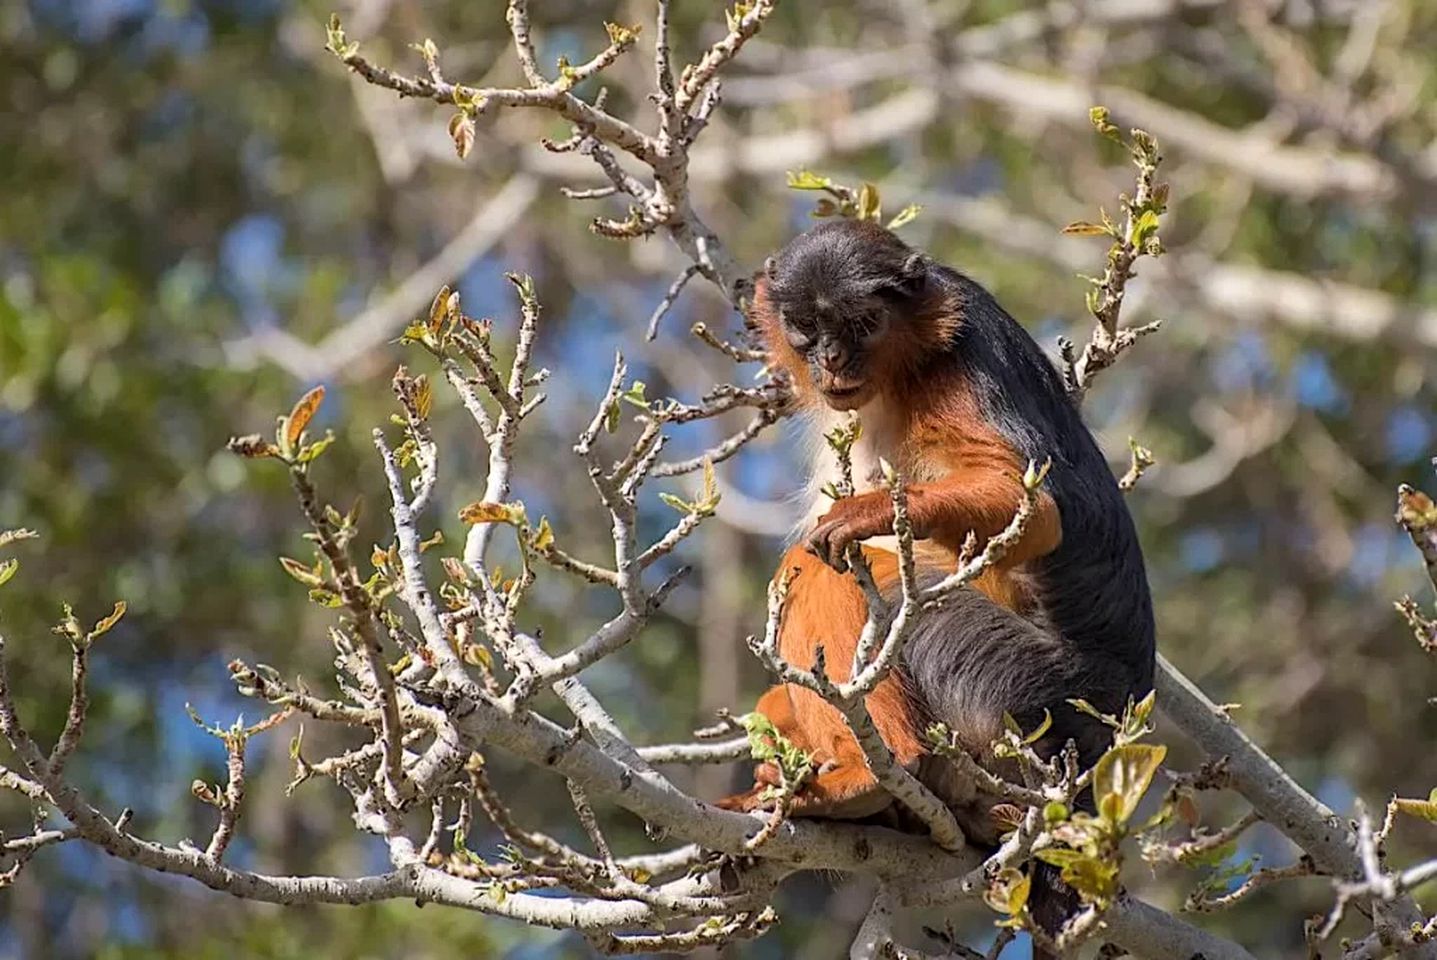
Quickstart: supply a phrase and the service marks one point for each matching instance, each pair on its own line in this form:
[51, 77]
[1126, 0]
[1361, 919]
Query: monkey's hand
[847, 521]
[763, 796]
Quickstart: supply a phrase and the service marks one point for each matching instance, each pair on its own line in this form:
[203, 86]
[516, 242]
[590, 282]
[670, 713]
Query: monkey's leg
[827, 609]
[842, 786]
[777, 707]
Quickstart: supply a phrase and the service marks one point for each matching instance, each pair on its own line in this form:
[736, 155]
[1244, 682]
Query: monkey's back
[1092, 635]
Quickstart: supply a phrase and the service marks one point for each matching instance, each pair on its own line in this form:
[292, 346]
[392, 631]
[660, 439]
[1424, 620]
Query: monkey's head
[837, 302]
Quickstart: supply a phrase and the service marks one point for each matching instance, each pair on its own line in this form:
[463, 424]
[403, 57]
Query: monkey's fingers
[767, 773]
[829, 542]
[750, 801]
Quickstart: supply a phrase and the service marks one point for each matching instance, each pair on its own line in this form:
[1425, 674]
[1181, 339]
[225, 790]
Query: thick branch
[1278, 798]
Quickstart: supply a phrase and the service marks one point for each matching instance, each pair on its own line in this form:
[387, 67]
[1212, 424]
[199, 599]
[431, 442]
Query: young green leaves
[290, 438]
[844, 201]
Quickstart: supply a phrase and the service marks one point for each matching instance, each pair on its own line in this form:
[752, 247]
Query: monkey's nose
[833, 356]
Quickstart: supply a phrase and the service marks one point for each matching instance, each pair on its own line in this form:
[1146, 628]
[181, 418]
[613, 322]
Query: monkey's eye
[871, 325]
[798, 333]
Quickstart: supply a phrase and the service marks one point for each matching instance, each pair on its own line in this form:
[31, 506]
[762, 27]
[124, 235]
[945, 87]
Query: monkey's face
[836, 339]
[841, 291]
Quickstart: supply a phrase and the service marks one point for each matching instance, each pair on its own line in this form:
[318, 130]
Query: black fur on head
[840, 288]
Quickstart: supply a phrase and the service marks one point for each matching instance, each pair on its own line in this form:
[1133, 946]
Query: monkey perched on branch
[959, 398]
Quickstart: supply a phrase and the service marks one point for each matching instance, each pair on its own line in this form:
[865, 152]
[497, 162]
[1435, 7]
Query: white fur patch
[881, 439]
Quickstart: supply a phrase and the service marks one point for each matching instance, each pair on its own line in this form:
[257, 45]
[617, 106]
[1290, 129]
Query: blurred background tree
[204, 214]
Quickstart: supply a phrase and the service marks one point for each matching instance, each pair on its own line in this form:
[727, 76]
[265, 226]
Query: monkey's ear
[769, 266]
[910, 278]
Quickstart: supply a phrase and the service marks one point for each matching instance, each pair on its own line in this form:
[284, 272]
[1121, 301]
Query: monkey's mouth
[844, 396]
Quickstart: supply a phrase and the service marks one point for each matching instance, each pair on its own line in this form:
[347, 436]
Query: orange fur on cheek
[781, 354]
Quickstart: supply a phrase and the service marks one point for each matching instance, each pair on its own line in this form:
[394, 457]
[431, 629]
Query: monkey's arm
[979, 498]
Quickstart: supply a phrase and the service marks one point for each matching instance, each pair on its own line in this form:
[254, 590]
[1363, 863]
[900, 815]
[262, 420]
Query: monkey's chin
[846, 398]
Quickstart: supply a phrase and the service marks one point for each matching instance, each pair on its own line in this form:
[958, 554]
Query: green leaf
[621, 36]
[478, 655]
[807, 180]
[907, 215]
[489, 512]
[1212, 856]
[635, 395]
[1122, 776]
[1059, 856]
[1095, 879]
[68, 625]
[414, 333]
[326, 598]
[682, 506]
[869, 205]
[1094, 301]
[7, 570]
[467, 100]
[1099, 118]
[524, 285]
[1138, 713]
[1034, 475]
[311, 451]
[305, 575]
[1082, 228]
[423, 396]
[735, 17]
[1042, 728]
[761, 734]
[1424, 809]
[103, 627]
[1142, 226]
[709, 495]
[335, 40]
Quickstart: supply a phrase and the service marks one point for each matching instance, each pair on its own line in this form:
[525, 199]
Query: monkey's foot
[837, 792]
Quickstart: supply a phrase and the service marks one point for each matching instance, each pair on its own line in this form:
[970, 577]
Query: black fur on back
[1096, 638]
[974, 660]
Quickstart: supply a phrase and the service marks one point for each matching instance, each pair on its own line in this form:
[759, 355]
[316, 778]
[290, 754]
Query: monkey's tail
[1051, 903]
